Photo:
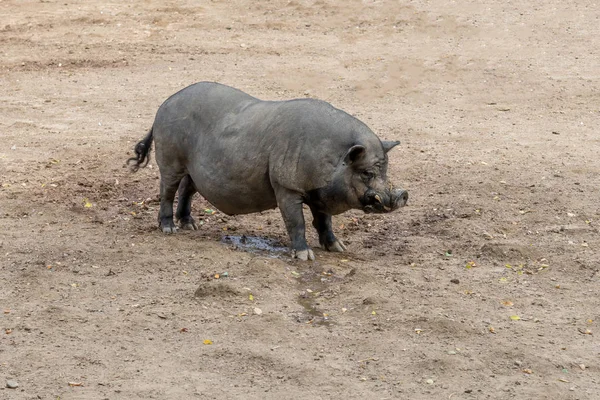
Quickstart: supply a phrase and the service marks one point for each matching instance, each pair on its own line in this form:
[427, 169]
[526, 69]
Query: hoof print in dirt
[245, 155]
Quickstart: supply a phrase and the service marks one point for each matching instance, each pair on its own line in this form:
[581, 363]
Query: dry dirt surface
[486, 286]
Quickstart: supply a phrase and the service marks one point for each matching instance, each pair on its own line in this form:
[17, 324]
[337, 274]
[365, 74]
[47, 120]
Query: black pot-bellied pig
[245, 155]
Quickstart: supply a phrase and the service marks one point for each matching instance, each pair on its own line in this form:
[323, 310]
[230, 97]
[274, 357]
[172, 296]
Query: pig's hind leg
[169, 182]
[186, 190]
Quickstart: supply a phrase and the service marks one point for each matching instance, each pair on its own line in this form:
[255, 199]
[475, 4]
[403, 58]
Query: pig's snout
[382, 202]
[400, 197]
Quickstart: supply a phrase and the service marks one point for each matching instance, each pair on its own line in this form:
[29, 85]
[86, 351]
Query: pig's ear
[354, 154]
[388, 145]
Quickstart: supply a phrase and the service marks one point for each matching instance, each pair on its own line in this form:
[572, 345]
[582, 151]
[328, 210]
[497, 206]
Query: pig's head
[360, 181]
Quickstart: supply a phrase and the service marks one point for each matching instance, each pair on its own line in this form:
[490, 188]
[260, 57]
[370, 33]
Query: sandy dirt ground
[486, 286]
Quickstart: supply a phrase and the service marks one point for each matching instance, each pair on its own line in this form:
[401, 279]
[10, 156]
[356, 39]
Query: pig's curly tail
[142, 150]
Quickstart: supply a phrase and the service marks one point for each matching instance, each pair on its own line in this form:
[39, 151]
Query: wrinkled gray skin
[246, 155]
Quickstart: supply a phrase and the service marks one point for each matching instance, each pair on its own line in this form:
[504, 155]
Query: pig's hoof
[304, 255]
[166, 225]
[188, 224]
[337, 246]
[169, 229]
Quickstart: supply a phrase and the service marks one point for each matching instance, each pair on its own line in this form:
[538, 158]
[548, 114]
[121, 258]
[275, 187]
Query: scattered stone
[451, 352]
[582, 367]
[257, 311]
[12, 384]
[455, 281]
[518, 363]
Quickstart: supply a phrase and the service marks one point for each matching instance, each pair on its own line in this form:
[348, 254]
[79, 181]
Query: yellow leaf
[207, 341]
[217, 276]
[373, 312]
[503, 280]
[508, 266]
[86, 203]
[515, 317]
[251, 297]
[589, 321]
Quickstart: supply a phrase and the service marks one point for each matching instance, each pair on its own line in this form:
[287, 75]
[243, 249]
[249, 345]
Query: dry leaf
[207, 341]
[75, 384]
[528, 371]
[507, 303]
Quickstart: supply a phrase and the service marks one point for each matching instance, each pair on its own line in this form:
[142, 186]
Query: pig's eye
[367, 175]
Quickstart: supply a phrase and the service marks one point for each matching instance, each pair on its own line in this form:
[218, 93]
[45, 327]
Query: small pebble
[257, 311]
[456, 281]
[451, 352]
[429, 381]
[582, 366]
[518, 363]
[12, 384]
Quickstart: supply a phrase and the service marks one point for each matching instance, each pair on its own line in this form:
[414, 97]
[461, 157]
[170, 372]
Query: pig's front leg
[290, 204]
[322, 223]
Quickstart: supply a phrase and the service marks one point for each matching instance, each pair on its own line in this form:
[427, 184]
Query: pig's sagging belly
[234, 190]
